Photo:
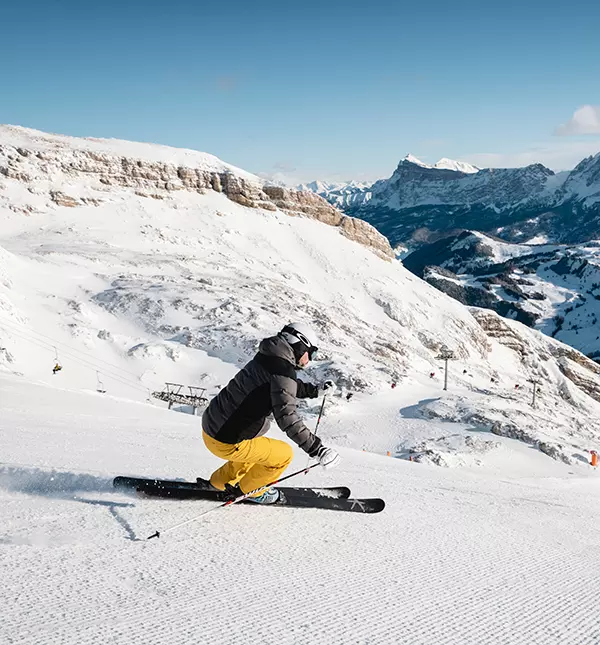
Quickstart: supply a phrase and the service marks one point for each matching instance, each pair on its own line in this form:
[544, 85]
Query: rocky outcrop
[157, 179]
[577, 375]
[553, 450]
[495, 327]
[565, 352]
[63, 200]
[577, 368]
[295, 202]
[359, 231]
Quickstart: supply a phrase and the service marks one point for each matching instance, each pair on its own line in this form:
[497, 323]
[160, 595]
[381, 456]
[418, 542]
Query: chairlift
[57, 366]
[99, 384]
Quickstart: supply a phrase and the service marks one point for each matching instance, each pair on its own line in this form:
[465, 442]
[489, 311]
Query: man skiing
[235, 421]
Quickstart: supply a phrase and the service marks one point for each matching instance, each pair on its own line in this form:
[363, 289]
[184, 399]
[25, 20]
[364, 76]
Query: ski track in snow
[456, 557]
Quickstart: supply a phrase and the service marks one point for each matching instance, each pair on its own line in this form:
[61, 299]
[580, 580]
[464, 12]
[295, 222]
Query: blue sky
[329, 90]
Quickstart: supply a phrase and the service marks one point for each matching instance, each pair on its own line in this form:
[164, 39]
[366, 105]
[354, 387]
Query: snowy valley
[552, 287]
[131, 265]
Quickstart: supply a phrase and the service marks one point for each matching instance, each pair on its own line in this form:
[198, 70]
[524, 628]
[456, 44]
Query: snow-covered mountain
[342, 195]
[352, 195]
[420, 202]
[443, 164]
[459, 166]
[134, 272]
[552, 287]
[433, 205]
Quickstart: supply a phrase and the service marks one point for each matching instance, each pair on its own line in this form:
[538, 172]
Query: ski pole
[320, 412]
[317, 426]
[240, 498]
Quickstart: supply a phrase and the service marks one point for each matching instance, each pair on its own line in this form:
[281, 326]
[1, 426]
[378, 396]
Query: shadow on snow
[63, 485]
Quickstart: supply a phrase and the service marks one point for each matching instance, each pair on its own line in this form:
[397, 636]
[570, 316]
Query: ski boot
[204, 484]
[270, 496]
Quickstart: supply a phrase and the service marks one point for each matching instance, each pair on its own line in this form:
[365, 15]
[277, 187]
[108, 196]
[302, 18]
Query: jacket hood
[277, 346]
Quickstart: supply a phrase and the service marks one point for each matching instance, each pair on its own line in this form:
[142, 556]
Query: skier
[235, 421]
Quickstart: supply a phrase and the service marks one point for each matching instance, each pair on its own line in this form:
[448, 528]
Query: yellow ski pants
[251, 463]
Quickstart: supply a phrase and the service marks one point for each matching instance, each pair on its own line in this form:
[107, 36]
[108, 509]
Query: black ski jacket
[267, 384]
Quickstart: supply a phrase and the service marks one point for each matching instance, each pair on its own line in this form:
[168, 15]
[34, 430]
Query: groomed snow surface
[458, 556]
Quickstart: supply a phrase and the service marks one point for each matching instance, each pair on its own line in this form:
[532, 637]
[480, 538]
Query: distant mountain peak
[412, 159]
[443, 164]
[460, 166]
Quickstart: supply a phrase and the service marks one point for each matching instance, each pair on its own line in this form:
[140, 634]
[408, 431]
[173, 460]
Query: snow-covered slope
[502, 554]
[410, 158]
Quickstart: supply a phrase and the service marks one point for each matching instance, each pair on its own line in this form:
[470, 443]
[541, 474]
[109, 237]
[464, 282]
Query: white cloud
[563, 156]
[585, 120]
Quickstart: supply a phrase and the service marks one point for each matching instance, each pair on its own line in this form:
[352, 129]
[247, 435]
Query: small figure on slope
[236, 419]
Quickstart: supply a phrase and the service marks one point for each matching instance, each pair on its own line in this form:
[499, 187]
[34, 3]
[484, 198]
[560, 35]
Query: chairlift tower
[445, 355]
[535, 381]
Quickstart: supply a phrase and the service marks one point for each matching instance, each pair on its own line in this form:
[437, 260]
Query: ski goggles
[310, 348]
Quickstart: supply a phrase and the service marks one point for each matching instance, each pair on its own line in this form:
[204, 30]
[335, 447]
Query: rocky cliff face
[41, 162]
[417, 201]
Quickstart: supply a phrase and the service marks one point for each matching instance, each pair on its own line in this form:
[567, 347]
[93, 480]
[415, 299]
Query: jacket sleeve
[284, 391]
[307, 390]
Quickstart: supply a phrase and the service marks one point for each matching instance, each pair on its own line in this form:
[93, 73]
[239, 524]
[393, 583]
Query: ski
[193, 490]
[351, 505]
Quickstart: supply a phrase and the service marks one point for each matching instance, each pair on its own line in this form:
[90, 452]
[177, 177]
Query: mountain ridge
[514, 203]
[156, 172]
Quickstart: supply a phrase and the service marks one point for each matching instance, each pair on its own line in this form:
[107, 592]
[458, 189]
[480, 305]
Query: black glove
[328, 387]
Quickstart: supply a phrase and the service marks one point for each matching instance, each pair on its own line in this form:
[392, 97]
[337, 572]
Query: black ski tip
[121, 482]
[378, 505]
[154, 535]
[344, 492]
